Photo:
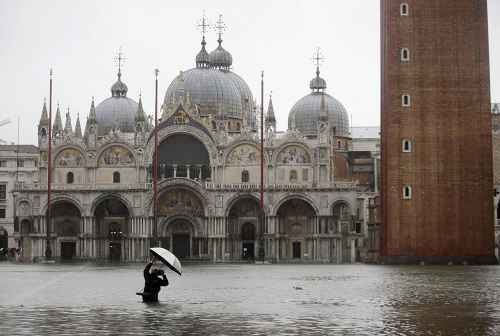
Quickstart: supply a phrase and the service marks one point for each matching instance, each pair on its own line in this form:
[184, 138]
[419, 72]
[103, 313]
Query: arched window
[293, 176]
[245, 176]
[339, 144]
[43, 132]
[405, 9]
[116, 177]
[70, 178]
[405, 54]
[407, 146]
[407, 192]
[406, 100]
[238, 126]
[214, 125]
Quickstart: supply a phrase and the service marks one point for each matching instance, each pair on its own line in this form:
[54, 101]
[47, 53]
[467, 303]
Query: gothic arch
[301, 145]
[110, 145]
[229, 150]
[164, 133]
[98, 200]
[239, 197]
[73, 147]
[195, 229]
[63, 198]
[302, 197]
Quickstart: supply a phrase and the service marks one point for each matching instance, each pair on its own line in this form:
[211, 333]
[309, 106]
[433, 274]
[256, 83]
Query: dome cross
[220, 26]
[120, 59]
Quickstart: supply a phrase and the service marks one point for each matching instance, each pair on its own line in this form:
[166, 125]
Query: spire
[57, 128]
[140, 115]
[68, 128]
[270, 118]
[78, 127]
[44, 119]
[92, 115]
[202, 59]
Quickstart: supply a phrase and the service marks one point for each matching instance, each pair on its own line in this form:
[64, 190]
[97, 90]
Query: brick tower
[437, 188]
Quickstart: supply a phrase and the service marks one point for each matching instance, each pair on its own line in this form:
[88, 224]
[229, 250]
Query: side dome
[210, 89]
[117, 111]
[306, 112]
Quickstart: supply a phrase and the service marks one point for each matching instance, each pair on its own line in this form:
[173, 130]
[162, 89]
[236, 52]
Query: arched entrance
[66, 219]
[243, 228]
[112, 227]
[248, 240]
[178, 237]
[296, 220]
[181, 212]
[4, 242]
[183, 155]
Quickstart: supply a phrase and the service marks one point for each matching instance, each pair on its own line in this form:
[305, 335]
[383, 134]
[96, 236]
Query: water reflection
[87, 299]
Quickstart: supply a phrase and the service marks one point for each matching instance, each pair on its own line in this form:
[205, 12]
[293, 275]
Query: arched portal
[4, 242]
[177, 236]
[65, 223]
[112, 227]
[181, 212]
[296, 219]
[183, 155]
[243, 228]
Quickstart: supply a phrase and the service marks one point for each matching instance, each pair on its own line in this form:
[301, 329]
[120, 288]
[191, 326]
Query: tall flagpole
[48, 251]
[262, 141]
[262, 214]
[155, 166]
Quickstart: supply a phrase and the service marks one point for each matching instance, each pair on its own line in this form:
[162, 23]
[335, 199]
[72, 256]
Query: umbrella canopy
[168, 258]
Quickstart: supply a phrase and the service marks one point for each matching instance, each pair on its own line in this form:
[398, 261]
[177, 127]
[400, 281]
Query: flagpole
[155, 166]
[48, 251]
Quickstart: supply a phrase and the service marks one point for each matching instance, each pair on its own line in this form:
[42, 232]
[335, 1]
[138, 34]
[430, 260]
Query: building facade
[436, 132]
[18, 166]
[208, 177]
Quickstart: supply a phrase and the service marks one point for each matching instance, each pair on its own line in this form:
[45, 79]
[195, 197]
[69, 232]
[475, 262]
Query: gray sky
[80, 39]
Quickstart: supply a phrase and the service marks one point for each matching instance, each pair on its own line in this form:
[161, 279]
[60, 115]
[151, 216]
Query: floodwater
[89, 299]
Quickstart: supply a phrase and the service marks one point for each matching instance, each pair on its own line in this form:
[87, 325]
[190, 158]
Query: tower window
[405, 9]
[116, 177]
[407, 146]
[407, 193]
[406, 100]
[405, 54]
[70, 178]
[245, 176]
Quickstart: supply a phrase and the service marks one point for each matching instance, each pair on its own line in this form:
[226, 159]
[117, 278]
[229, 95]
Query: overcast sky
[80, 39]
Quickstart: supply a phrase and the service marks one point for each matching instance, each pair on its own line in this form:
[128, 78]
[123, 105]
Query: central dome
[210, 89]
[214, 88]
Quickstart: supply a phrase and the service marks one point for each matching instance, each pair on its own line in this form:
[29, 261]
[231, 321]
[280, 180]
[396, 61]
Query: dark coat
[152, 284]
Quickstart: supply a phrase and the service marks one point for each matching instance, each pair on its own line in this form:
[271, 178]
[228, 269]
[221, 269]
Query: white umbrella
[168, 258]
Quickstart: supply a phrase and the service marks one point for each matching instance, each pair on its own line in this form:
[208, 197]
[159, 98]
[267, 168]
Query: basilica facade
[209, 157]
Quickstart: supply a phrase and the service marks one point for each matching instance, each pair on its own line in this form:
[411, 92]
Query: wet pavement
[89, 299]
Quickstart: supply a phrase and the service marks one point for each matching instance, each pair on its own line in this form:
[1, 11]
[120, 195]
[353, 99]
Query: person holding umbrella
[153, 281]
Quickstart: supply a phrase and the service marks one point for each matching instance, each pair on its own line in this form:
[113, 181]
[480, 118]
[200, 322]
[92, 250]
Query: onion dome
[117, 111]
[220, 58]
[203, 59]
[306, 113]
[317, 83]
[119, 89]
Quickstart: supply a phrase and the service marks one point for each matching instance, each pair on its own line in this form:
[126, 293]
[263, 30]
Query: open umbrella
[168, 258]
